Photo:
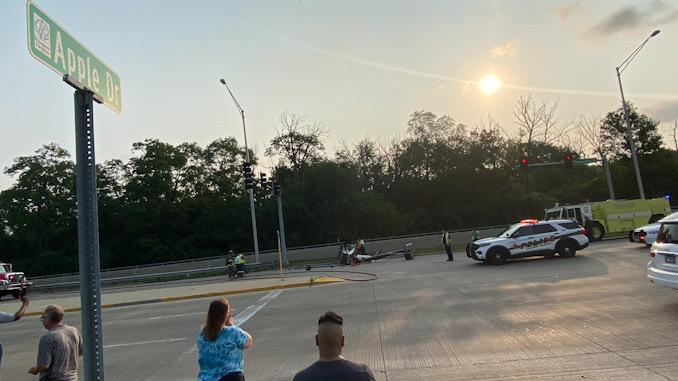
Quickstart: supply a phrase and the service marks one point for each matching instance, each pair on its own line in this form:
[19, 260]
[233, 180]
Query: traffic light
[523, 164]
[262, 180]
[247, 175]
[275, 187]
[568, 161]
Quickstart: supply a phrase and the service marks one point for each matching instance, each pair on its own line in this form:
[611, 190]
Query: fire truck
[12, 283]
[611, 216]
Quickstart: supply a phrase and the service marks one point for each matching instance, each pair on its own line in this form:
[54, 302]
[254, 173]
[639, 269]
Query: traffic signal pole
[249, 191]
[281, 222]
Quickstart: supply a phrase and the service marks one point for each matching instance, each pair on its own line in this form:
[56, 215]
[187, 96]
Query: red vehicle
[12, 283]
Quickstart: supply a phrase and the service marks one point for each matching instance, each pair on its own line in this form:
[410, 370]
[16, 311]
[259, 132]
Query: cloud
[508, 49]
[628, 18]
[666, 112]
[623, 18]
[669, 18]
[567, 10]
[466, 83]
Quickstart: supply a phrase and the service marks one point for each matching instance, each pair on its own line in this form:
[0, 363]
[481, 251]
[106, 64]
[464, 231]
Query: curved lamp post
[629, 132]
[250, 191]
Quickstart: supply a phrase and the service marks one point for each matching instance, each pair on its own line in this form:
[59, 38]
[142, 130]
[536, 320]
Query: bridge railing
[211, 265]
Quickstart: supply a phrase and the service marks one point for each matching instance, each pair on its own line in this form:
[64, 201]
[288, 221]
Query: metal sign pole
[88, 236]
[281, 233]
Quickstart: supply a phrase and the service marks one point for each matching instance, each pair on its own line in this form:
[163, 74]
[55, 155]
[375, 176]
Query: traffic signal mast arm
[575, 162]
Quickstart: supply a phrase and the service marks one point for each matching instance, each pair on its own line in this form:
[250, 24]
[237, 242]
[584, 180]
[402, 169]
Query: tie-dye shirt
[222, 356]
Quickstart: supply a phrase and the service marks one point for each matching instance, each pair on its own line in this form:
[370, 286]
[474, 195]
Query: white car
[530, 238]
[647, 234]
[662, 269]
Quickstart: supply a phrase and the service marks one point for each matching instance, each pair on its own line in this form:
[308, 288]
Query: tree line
[174, 202]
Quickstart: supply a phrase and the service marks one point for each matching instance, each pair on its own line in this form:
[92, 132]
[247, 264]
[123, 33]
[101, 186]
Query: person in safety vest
[476, 234]
[445, 240]
[240, 265]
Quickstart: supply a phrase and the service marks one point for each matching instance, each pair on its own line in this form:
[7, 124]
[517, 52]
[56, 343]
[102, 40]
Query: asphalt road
[594, 316]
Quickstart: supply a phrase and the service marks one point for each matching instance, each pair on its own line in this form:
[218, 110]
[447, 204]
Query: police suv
[530, 238]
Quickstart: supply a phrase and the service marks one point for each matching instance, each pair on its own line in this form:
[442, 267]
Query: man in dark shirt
[332, 366]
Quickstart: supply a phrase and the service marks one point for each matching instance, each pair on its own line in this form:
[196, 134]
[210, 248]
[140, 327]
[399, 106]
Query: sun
[489, 84]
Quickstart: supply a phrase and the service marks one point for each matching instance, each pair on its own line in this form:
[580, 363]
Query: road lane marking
[144, 342]
[173, 316]
[241, 318]
[253, 309]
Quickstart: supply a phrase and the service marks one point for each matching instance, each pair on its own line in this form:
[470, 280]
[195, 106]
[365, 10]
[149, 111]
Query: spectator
[59, 348]
[331, 365]
[220, 345]
[6, 317]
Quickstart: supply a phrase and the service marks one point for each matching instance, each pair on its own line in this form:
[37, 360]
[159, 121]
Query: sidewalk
[143, 293]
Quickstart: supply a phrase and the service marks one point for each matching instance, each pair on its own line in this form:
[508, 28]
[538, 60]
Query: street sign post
[52, 45]
[583, 161]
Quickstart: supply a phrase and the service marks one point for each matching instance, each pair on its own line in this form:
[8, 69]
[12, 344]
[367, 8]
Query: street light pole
[629, 132]
[250, 191]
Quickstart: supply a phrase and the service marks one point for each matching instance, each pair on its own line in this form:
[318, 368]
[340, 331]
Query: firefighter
[240, 265]
[230, 263]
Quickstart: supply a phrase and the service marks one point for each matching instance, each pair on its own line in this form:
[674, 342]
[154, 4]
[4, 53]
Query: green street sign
[52, 45]
[585, 161]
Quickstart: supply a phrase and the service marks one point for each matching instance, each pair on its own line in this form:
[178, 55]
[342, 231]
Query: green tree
[645, 131]
[38, 212]
[223, 159]
[371, 162]
[298, 143]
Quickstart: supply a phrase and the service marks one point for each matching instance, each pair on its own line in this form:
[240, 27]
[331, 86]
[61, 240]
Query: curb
[319, 280]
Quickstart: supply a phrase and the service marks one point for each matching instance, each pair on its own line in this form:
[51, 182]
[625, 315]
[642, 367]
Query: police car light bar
[529, 221]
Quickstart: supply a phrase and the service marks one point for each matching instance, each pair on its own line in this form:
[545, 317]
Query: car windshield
[671, 216]
[511, 229]
[552, 214]
[668, 233]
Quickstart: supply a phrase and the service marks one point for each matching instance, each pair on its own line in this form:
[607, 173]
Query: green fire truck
[611, 216]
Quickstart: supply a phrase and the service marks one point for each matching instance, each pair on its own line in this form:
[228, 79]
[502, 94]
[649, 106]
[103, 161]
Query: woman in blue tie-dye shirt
[220, 345]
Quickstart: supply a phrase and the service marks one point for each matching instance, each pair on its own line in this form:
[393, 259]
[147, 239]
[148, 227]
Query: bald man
[332, 366]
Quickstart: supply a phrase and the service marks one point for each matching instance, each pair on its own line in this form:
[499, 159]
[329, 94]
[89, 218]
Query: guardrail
[213, 265]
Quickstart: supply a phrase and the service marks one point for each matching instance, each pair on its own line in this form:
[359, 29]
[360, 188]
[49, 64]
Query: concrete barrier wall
[329, 252]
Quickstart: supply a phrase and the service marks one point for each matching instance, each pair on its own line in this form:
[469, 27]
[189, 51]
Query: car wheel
[497, 256]
[631, 236]
[15, 294]
[566, 249]
[597, 232]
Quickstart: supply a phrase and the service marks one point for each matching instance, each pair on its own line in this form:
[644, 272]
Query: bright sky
[361, 67]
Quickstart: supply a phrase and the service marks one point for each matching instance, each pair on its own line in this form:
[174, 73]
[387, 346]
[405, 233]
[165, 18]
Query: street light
[250, 191]
[623, 66]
